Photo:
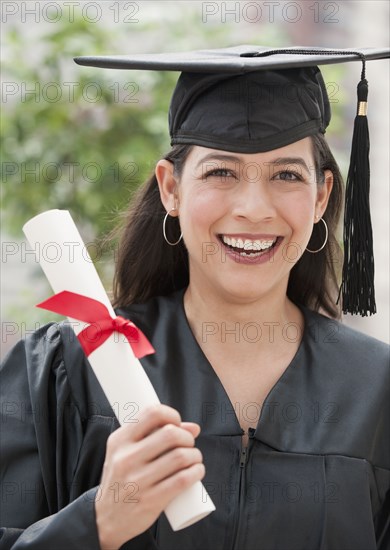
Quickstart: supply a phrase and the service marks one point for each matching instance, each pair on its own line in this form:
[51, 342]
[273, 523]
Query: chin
[245, 294]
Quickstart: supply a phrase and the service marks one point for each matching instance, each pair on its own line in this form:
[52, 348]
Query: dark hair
[147, 266]
[313, 280]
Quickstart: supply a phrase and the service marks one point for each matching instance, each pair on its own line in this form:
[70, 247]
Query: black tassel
[357, 287]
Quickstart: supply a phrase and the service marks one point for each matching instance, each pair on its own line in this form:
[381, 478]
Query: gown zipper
[241, 489]
[243, 458]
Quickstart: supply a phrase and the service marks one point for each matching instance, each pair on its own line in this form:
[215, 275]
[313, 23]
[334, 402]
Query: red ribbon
[102, 325]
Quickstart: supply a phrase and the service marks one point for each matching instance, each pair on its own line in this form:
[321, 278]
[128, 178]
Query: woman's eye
[288, 176]
[221, 173]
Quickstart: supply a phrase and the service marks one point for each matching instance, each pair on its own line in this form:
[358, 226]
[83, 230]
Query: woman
[287, 406]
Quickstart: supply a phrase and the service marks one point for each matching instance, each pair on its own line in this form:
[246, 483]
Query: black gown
[315, 474]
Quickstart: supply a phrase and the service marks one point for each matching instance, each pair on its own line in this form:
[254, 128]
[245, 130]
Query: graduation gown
[314, 476]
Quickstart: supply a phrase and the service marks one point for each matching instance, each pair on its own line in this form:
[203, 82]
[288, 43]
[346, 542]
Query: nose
[254, 202]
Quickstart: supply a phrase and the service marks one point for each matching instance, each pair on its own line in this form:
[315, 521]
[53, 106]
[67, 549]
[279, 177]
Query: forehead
[302, 148]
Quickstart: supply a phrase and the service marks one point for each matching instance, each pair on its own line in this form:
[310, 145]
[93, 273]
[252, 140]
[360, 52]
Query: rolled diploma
[119, 372]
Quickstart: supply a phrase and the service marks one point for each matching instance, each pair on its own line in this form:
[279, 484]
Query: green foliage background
[85, 148]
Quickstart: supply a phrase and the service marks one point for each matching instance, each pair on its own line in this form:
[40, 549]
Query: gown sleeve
[55, 421]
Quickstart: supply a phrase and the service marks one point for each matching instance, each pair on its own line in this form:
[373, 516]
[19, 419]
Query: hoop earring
[164, 231]
[325, 241]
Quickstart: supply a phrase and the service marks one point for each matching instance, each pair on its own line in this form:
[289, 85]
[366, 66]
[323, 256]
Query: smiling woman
[228, 262]
[244, 205]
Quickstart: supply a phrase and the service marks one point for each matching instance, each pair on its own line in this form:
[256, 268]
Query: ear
[323, 193]
[167, 185]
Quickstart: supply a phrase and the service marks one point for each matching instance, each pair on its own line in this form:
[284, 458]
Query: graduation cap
[249, 99]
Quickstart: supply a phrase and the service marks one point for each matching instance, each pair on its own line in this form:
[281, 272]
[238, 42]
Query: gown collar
[184, 378]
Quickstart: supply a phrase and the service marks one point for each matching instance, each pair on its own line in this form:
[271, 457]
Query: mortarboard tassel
[357, 287]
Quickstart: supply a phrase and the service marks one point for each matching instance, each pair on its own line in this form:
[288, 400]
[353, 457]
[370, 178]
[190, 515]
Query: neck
[252, 324]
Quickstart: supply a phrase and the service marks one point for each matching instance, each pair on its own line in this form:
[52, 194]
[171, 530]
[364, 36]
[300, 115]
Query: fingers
[166, 446]
[193, 428]
[161, 441]
[155, 417]
[166, 438]
[160, 454]
[149, 420]
[168, 489]
[168, 464]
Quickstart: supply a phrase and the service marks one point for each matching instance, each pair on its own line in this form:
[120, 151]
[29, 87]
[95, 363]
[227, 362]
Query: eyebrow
[218, 156]
[283, 161]
[280, 161]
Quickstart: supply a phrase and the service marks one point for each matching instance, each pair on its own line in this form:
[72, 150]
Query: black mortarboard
[251, 99]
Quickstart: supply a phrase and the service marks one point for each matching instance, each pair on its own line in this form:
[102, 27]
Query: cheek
[199, 210]
[298, 210]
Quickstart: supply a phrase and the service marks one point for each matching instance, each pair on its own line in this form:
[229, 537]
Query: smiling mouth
[247, 247]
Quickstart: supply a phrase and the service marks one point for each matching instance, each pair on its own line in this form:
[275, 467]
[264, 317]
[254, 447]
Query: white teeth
[247, 244]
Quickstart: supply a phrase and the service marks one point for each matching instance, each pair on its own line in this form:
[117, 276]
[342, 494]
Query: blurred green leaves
[75, 137]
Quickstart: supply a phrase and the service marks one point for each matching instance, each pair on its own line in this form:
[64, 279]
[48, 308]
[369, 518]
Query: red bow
[102, 325]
